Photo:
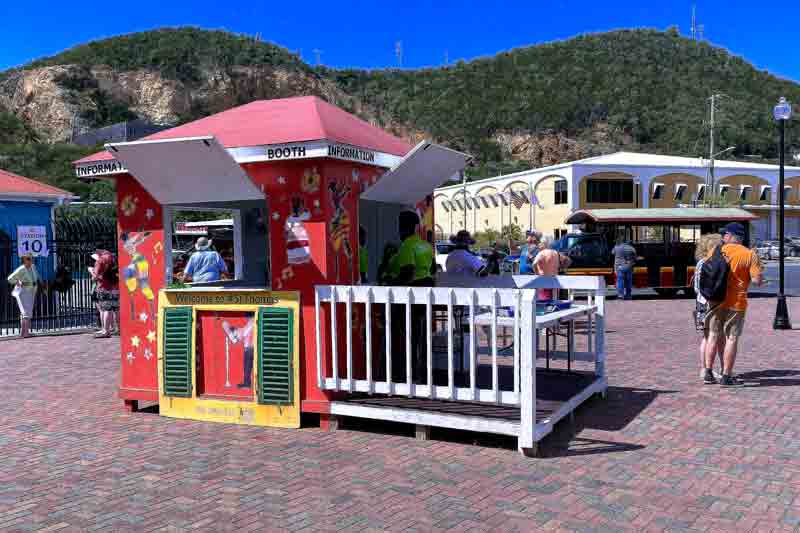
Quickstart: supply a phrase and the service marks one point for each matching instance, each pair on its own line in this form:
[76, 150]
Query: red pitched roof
[285, 120]
[11, 183]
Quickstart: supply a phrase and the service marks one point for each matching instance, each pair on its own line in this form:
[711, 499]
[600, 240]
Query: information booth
[298, 177]
[295, 329]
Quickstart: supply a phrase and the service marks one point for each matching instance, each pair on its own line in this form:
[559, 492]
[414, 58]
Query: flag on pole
[518, 199]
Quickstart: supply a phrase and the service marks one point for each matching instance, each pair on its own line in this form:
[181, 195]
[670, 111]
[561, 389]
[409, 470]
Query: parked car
[771, 249]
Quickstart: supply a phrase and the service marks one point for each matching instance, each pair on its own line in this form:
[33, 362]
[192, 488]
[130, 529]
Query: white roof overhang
[421, 171]
[186, 170]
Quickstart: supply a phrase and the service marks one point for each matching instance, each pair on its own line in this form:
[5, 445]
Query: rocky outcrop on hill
[56, 100]
[36, 97]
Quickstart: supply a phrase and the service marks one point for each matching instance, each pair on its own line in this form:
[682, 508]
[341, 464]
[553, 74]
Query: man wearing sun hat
[205, 264]
[461, 260]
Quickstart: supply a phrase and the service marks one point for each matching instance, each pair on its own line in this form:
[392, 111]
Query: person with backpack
[105, 273]
[725, 277]
[703, 248]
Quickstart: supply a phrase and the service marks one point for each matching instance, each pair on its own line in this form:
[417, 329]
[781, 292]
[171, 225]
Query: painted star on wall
[130, 357]
[135, 341]
[149, 214]
[143, 316]
[148, 353]
[281, 180]
[151, 336]
[276, 216]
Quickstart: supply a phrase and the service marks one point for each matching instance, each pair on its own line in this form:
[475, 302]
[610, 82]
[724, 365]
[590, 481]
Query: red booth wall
[140, 230]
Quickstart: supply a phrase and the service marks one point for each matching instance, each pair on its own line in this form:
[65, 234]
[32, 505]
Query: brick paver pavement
[662, 453]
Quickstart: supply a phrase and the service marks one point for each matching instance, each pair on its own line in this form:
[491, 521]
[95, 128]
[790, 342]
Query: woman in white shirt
[25, 280]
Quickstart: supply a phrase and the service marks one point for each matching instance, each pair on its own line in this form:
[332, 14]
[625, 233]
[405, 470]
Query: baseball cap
[734, 228]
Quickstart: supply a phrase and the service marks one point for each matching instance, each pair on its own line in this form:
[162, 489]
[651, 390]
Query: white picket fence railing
[472, 299]
[482, 307]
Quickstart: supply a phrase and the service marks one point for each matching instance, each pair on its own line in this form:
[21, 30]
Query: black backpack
[714, 276]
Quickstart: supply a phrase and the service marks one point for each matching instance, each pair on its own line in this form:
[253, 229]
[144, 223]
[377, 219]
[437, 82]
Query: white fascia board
[255, 154]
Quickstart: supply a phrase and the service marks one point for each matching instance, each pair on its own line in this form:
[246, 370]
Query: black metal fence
[63, 299]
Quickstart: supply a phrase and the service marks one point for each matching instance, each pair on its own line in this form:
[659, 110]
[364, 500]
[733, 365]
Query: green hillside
[648, 84]
[178, 53]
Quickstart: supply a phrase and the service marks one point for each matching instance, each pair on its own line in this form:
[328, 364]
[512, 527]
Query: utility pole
[464, 188]
[317, 54]
[446, 57]
[398, 50]
[711, 185]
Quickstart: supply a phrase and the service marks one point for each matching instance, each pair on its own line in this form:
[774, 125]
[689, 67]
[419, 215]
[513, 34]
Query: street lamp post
[782, 113]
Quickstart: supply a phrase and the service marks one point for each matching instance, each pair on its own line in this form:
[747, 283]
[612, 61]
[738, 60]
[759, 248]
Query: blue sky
[363, 34]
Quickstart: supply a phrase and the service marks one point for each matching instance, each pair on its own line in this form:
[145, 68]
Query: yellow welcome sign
[229, 355]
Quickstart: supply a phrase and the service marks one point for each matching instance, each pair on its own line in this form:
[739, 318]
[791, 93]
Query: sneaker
[730, 381]
[708, 377]
[102, 335]
[716, 374]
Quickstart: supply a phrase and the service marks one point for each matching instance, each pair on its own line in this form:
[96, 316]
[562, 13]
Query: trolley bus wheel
[669, 293]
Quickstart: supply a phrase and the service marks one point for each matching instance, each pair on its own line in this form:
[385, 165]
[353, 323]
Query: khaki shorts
[722, 321]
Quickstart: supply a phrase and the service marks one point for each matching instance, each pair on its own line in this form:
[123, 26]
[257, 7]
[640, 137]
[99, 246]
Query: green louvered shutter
[275, 356]
[177, 341]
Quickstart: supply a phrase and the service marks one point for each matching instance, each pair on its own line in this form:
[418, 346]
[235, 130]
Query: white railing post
[388, 330]
[600, 332]
[527, 393]
[368, 325]
[429, 339]
[334, 343]
[473, 345]
[409, 335]
[320, 376]
[517, 325]
[349, 339]
[495, 376]
[450, 380]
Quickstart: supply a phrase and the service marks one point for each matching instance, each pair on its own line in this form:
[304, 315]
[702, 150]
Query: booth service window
[609, 191]
[561, 192]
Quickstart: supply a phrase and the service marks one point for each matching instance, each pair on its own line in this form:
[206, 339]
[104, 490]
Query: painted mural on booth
[141, 269]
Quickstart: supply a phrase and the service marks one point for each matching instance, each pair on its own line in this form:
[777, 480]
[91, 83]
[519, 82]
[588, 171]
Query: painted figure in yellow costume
[137, 273]
[340, 226]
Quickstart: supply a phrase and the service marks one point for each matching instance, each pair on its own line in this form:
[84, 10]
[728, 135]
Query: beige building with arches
[542, 198]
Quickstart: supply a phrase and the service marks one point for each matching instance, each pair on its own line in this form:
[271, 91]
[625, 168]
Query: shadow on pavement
[770, 378]
[577, 446]
[621, 406]
[769, 374]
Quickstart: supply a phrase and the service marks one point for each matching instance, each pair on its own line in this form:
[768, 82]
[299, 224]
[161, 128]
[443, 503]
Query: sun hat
[203, 243]
[462, 237]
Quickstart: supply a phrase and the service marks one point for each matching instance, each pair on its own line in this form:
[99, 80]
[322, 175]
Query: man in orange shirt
[726, 318]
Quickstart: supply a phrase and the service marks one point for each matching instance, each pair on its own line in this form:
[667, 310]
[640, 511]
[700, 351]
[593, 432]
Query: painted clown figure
[137, 273]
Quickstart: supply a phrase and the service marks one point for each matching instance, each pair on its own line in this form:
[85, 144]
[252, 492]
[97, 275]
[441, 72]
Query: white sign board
[32, 240]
